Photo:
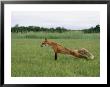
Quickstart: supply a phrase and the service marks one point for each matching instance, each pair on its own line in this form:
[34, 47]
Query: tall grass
[31, 60]
[28, 59]
[65, 35]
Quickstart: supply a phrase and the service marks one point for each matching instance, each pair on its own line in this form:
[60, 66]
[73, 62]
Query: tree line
[25, 29]
[95, 29]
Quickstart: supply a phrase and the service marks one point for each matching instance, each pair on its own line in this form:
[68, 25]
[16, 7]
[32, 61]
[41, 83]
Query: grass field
[65, 35]
[31, 60]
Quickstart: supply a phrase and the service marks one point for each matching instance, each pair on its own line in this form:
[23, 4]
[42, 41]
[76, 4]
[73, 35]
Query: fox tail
[91, 56]
[86, 53]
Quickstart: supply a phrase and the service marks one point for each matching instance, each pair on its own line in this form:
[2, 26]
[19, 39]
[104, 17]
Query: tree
[95, 29]
[24, 29]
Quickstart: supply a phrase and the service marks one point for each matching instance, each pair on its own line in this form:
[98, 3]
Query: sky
[73, 20]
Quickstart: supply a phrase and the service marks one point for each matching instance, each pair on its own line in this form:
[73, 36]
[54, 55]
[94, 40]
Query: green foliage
[24, 29]
[95, 29]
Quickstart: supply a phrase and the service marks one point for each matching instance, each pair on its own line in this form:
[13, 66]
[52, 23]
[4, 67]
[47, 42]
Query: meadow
[28, 59]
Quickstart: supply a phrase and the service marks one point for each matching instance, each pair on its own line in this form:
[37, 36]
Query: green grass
[65, 35]
[31, 60]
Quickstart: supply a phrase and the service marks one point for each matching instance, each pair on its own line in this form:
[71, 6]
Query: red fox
[81, 53]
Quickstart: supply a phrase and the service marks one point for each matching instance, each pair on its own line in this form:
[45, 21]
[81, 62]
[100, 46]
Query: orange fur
[82, 53]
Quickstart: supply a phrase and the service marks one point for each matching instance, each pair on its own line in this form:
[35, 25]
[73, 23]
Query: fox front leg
[55, 56]
[55, 51]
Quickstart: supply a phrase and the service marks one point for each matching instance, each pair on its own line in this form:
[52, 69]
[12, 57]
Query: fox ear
[45, 39]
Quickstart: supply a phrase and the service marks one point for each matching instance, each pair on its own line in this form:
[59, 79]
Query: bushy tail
[84, 52]
[91, 56]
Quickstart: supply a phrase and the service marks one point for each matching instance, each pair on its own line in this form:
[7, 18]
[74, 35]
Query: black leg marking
[55, 56]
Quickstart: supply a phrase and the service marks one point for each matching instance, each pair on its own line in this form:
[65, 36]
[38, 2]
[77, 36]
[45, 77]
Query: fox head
[45, 42]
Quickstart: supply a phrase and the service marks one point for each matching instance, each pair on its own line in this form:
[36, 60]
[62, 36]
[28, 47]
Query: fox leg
[55, 56]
